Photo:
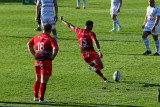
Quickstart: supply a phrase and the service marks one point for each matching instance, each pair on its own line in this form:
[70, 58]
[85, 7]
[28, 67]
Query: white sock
[146, 42]
[117, 22]
[84, 3]
[78, 3]
[157, 46]
[114, 23]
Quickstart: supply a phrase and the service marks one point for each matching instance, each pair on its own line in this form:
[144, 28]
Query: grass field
[72, 84]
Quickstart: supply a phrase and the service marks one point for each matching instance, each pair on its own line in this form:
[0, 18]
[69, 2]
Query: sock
[78, 3]
[39, 25]
[36, 88]
[114, 23]
[146, 42]
[55, 37]
[157, 46]
[84, 3]
[100, 74]
[117, 22]
[42, 91]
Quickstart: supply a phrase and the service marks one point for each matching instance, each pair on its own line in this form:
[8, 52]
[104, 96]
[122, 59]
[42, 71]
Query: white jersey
[47, 7]
[114, 3]
[152, 13]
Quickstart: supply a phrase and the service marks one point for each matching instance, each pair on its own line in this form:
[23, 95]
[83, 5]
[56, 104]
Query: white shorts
[113, 11]
[47, 19]
[149, 29]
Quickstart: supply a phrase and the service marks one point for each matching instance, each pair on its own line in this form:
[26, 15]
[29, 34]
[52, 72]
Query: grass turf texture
[72, 84]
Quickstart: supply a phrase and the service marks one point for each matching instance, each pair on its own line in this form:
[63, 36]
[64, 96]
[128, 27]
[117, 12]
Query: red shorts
[43, 67]
[90, 56]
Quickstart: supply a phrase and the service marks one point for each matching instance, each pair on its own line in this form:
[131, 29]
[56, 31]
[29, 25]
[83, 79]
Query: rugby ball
[116, 76]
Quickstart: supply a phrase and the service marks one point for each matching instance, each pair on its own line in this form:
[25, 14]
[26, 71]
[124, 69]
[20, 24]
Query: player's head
[151, 3]
[89, 25]
[47, 28]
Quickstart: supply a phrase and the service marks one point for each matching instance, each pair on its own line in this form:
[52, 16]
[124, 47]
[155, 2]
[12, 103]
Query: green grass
[72, 84]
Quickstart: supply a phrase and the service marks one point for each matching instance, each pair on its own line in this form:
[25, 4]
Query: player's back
[85, 39]
[44, 44]
[47, 7]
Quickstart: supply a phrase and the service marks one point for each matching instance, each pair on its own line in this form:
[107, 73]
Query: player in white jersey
[47, 13]
[115, 8]
[78, 4]
[151, 26]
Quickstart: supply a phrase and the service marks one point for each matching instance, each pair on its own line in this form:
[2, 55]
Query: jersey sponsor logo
[85, 56]
[38, 64]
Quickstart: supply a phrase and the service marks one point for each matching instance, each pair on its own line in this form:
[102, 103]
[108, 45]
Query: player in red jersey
[85, 38]
[45, 51]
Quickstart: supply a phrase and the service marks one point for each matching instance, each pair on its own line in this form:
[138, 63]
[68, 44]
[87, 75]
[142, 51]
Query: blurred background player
[78, 4]
[115, 8]
[47, 14]
[45, 51]
[39, 17]
[85, 38]
[151, 26]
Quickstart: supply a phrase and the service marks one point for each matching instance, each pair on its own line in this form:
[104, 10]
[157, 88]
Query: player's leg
[84, 4]
[38, 80]
[43, 85]
[146, 42]
[78, 4]
[39, 23]
[96, 66]
[54, 31]
[46, 72]
[119, 26]
[155, 37]
[113, 16]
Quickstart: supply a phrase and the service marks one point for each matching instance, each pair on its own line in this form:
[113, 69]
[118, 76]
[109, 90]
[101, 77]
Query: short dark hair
[47, 27]
[89, 22]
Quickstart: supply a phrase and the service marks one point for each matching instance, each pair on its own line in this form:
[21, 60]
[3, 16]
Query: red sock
[42, 91]
[100, 74]
[36, 88]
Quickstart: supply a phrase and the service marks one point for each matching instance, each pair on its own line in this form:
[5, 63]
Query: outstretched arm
[66, 23]
[97, 46]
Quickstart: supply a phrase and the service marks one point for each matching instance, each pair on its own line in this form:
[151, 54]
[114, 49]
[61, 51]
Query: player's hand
[100, 55]
[143, 26]
[37, 19]
[61, 18]
[56, 18]
[118, 10]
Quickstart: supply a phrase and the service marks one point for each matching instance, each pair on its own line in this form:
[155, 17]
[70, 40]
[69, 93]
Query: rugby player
[151, 26]
[85, 39]
[45, 51]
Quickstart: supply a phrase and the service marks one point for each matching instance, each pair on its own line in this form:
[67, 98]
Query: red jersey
[43, 45]
[85, 37]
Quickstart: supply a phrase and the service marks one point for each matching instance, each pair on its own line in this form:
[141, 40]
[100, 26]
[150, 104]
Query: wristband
[99, 50]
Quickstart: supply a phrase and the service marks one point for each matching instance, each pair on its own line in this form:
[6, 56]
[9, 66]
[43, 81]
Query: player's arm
[119, 6]
[156, 22]
[31, 49]
[97, 46]
[145, 21]
[56, 10]
[55, 52]
[38, 10]
[66, 23]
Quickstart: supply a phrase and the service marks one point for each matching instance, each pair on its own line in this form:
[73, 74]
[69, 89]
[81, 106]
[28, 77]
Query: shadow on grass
[143, 84]
[69, 104]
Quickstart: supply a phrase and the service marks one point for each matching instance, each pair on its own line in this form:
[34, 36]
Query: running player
[78, 4]
[85, 38]
[39, 19]
[45, 51]
[115, 8]
[151, 26]
[47, 14]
